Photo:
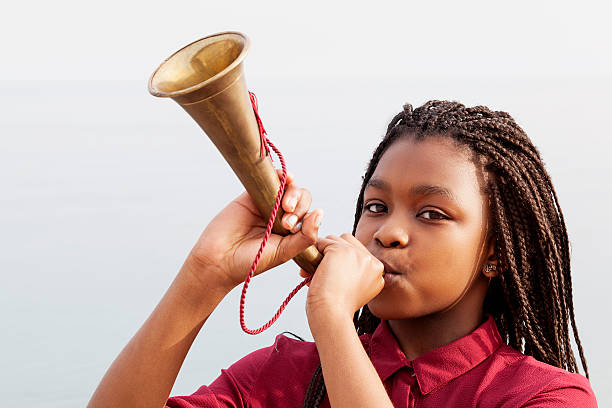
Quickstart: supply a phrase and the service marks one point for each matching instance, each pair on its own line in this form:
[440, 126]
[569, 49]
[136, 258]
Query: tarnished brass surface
[206, 78]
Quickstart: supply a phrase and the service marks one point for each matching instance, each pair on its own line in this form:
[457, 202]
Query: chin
[387, 309]
[398, 306]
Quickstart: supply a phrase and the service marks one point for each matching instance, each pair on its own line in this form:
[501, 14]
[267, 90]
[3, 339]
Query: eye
[374, 208]
[436, 215]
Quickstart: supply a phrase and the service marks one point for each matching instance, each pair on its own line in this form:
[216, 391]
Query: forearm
[144, 372]
[350, 377]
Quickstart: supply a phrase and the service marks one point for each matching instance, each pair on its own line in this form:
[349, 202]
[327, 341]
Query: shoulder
[287, 355]
[276, 375]
[532, 383]
[565, 389]
[287, 369]
[283, 354]
[301, 352]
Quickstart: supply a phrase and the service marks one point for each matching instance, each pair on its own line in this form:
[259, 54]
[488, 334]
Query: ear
[490, 258]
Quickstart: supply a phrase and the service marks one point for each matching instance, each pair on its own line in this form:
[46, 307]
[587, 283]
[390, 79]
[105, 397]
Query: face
[431, 240]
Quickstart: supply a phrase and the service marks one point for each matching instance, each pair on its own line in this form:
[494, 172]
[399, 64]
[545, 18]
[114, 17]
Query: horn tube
[206, 79]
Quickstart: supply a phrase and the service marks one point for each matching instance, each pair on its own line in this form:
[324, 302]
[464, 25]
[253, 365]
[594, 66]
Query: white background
[104, 188]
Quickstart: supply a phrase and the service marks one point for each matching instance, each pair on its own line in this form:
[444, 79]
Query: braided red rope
[265, 142]
[262, 130]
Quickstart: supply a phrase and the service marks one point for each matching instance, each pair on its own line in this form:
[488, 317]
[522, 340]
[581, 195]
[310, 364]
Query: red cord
[262, 130]
[265, 142]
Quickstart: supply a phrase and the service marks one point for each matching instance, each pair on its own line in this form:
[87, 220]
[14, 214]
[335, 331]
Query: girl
[454, 288]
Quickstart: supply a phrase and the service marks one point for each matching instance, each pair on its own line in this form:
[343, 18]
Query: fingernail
[291, 202]
[292, 220]
[297, 227]
[318, 220]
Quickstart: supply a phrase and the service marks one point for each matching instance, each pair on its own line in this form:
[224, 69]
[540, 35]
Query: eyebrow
[419, 190]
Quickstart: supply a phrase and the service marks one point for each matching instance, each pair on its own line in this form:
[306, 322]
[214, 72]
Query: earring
[489, 268]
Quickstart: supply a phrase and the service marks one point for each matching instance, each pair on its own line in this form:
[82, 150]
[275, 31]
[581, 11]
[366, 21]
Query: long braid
[531, 298]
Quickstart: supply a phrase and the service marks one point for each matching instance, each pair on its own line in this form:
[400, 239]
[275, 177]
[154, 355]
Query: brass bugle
[206, 78]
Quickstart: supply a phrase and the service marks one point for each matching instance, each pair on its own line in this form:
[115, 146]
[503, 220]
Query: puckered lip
[390, 269]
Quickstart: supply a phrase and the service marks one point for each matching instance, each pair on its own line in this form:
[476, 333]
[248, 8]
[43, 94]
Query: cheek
[364, 232]
[451, 261]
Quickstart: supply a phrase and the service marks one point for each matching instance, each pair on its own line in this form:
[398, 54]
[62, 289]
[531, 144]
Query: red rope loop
[262, 130]
[265, 142]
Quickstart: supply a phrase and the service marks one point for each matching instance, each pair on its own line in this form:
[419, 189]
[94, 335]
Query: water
[105, 189]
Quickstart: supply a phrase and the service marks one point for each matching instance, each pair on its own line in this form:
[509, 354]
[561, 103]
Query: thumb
[304, 274]
[291, 245]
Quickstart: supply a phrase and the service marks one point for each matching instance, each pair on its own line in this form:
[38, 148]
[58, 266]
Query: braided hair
[531, 297]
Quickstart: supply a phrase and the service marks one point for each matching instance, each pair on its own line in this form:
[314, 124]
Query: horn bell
[206, 79]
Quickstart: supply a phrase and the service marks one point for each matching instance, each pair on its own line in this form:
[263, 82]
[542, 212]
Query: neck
[417, 336]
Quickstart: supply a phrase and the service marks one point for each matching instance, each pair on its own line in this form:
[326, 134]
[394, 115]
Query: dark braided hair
[531, 297]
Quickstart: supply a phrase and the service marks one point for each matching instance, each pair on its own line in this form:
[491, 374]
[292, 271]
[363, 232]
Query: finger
[302, 207]
[290, 176]
[305, 275]
[324, 243]
[351, 239]
[291, 198]
[290, 221]
[310, 225]
[293, 244]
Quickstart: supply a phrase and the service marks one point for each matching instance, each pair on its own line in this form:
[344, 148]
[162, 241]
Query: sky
[123, 40]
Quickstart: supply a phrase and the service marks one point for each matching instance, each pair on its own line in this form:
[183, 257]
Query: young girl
[454, 289]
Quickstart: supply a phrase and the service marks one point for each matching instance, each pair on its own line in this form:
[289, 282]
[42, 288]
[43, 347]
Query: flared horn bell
[206, 78]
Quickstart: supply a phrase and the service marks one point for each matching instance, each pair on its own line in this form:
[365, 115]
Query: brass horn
[206, 78]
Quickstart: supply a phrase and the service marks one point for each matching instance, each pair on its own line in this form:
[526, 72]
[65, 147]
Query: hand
[347, 278]
[231, 240]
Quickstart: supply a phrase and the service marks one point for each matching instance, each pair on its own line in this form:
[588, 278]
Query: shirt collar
[438, 366]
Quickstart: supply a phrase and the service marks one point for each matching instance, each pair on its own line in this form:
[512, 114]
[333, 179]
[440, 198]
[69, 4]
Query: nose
[391, 235]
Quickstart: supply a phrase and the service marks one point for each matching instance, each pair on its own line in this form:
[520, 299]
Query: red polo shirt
[477, 370]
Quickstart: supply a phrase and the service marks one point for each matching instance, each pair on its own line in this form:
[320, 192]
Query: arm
[144, 372]
[350, 377]
[347, 278]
